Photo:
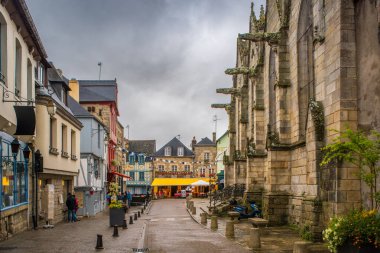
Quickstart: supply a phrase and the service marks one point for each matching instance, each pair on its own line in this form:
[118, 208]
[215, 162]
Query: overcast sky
[168, 56]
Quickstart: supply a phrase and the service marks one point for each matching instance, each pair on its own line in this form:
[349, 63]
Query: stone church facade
[305, 67]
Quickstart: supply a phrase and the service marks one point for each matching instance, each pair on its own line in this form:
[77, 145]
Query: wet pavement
[78, 237]
[171, 229]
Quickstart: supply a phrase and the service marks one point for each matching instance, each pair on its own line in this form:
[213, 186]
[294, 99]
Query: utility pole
[100, 69]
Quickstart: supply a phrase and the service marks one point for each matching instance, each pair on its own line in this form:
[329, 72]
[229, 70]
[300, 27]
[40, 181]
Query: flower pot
[117, 216]
[347, 247]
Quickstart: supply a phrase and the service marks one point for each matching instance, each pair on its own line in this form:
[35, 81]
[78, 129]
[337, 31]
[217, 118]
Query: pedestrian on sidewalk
[76, 204]
[70, 203]
[129, 199]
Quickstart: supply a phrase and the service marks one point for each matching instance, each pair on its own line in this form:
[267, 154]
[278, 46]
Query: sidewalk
[79, 236]
[274, 240]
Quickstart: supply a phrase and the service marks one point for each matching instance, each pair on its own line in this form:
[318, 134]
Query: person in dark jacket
[70, 203]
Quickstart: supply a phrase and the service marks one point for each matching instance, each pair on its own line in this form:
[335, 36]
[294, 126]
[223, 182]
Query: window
[180, 151]
[100, 112]
[211, 171]
[64, 138]
[131, 158]
[73, 143]
[132, 175]
[187, 168]
[174, 168]
[206, 156]
[161, 168]
[202, 172]
[14, 182]
[64, 95]
[98, 135]
[168, 151]
[3, 49]
[53, 133]
[141, 159]
[18, 61]
[41, 74]
[141, 176]
[29, 81]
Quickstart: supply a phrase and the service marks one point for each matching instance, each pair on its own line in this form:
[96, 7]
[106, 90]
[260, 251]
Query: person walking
[129, 199]
[76, 204]
[70, 203]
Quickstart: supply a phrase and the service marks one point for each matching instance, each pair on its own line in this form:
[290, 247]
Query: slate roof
[76, 108]
[147, 147]
[174, 144]
[97, 90]
[55, 77]
[205, 142]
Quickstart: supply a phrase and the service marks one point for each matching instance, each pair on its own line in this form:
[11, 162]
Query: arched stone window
[272, 91]
[3, 50]
[18, 60]
[305, 64]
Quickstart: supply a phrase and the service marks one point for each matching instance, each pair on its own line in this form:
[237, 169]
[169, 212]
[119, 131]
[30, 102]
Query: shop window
[14, 181]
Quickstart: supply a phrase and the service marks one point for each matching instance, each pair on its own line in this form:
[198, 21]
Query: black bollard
[115, 231]
[135, 216]
[125, 226]
[138, 214]
[130, 220]
[142, 210]
[99, 242]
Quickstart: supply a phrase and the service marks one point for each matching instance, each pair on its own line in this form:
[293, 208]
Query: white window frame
[161, 167]
[180, 151]
[187, 168]
[206, 156]
[174, 168]
[168, 151]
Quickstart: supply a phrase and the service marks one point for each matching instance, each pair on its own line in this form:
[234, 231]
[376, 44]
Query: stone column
[230, 229]
[254, 238]
[214, 222]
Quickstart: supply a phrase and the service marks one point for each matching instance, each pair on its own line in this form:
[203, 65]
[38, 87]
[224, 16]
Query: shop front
[172, 187]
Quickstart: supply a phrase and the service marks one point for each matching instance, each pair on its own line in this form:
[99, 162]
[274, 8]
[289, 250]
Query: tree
[361, 150]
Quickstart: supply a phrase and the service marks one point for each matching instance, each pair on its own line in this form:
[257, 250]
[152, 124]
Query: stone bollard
[138, 214]
[191, 204]
[194, 210]
[230, 229]
[301, 247]
[203, 218]
[135, 218]
[99, 242]
[214, 222]
[115, 231]
[254, 238]
[130, 220]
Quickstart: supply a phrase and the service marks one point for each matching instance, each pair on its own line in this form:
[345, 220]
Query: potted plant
[356, 232]
[116, 209]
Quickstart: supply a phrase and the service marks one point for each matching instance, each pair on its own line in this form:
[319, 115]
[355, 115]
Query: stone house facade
[204, 157]
[304, 68]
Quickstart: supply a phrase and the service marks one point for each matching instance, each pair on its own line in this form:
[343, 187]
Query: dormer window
[141, 159]
[131, 158]
[180, 151]
[168, 151]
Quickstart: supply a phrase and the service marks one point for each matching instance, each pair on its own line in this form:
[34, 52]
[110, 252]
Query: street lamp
[51, 108]
[26, 153]
[15, 146]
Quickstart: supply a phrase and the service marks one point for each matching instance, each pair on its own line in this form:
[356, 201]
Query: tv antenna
[215, 119]
[100, 69]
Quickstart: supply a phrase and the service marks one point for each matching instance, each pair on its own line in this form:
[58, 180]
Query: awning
[176, 181]
[120, 174]
[26, 120]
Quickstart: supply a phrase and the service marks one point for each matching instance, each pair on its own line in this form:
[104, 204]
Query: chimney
[193, 142]
[74, 87]
[213, 137]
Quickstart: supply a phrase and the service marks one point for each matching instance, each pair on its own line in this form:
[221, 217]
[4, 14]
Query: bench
[234, 216]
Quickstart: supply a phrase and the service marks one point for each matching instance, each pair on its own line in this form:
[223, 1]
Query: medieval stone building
[305, 67]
